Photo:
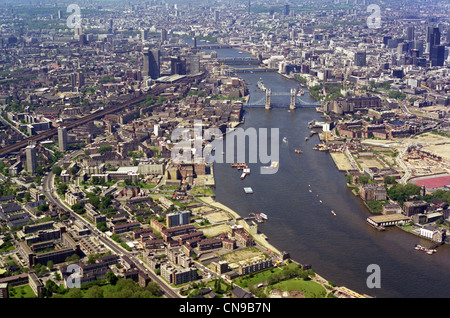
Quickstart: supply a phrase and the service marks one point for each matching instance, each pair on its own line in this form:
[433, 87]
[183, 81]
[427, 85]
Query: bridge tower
[268, 93]
[293, 94]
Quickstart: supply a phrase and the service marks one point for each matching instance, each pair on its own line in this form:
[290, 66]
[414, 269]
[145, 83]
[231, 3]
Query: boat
[243, 175]
[284, 139]
[263, 216]
[261, 85]
[426, 250]
[258, 218]
[248, 190]
[332, 212]
[298, 151]
[320, 201]
[310, 191]
[306, 138]
[300, 92]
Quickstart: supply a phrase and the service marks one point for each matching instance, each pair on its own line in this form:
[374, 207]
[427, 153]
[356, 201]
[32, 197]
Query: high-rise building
[62, 138]
[216, 16]
[249, 6]
[410, 32]
[360, 59]
[194, 64]
[177, 65]
[286, 9]
[144, 34]
[419, 45]
[178, 218]
[30, 152]
[163, 35]
[433, 36]
[152, 64]
[437, 55]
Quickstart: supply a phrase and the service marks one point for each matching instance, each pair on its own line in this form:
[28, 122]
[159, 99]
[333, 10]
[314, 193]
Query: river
[299, 198]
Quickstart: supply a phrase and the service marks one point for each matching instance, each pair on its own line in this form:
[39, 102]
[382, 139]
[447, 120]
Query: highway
[51, 196]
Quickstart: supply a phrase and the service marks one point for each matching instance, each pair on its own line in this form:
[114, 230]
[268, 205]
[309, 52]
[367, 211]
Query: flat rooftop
[389, 218]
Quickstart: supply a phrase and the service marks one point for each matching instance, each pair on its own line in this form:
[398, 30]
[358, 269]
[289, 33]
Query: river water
[299, 198]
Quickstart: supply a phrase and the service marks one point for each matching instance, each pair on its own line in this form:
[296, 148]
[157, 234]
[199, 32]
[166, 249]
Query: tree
[62, 188]
[57, 170]
[51, 286]
[112, 279]
[50, 264]
[101, 226]
[78, 208]
[364, 179]
[153, 288]
[401, 193]
[94, 292]
[74, 293]
[104, 148]
[389, 179]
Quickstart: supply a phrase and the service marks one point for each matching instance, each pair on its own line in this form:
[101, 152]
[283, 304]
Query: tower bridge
[295, 101]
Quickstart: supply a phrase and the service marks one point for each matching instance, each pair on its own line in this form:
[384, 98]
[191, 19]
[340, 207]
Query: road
[47, 183]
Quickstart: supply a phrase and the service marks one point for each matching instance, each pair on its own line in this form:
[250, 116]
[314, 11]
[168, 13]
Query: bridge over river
[295, 100]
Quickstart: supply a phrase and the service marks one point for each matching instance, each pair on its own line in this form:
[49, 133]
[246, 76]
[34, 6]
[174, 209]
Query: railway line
[157, 90]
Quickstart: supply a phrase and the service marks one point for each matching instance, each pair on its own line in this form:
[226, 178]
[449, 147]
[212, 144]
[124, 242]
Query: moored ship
[261, 85]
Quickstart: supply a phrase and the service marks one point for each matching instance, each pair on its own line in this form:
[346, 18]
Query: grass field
[309, 288]
[203, 191]
[23, 291]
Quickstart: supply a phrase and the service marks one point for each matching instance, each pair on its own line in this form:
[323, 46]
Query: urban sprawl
[93, 204]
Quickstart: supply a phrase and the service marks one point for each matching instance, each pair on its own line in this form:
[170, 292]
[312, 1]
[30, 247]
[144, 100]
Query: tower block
[268, 93]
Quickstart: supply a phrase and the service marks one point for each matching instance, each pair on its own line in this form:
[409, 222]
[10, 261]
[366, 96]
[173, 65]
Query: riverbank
[260, 238]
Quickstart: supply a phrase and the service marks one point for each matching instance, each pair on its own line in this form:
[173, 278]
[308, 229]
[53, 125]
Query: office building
[433, 36]
[360, 59]
[286, 9]
[437, 55]
[30, 152]
[194, 64]
[152, 60]
[419, 45]
[144, 34]
[411, 33]
[62, 138]
[163, 35]
[177, 65]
